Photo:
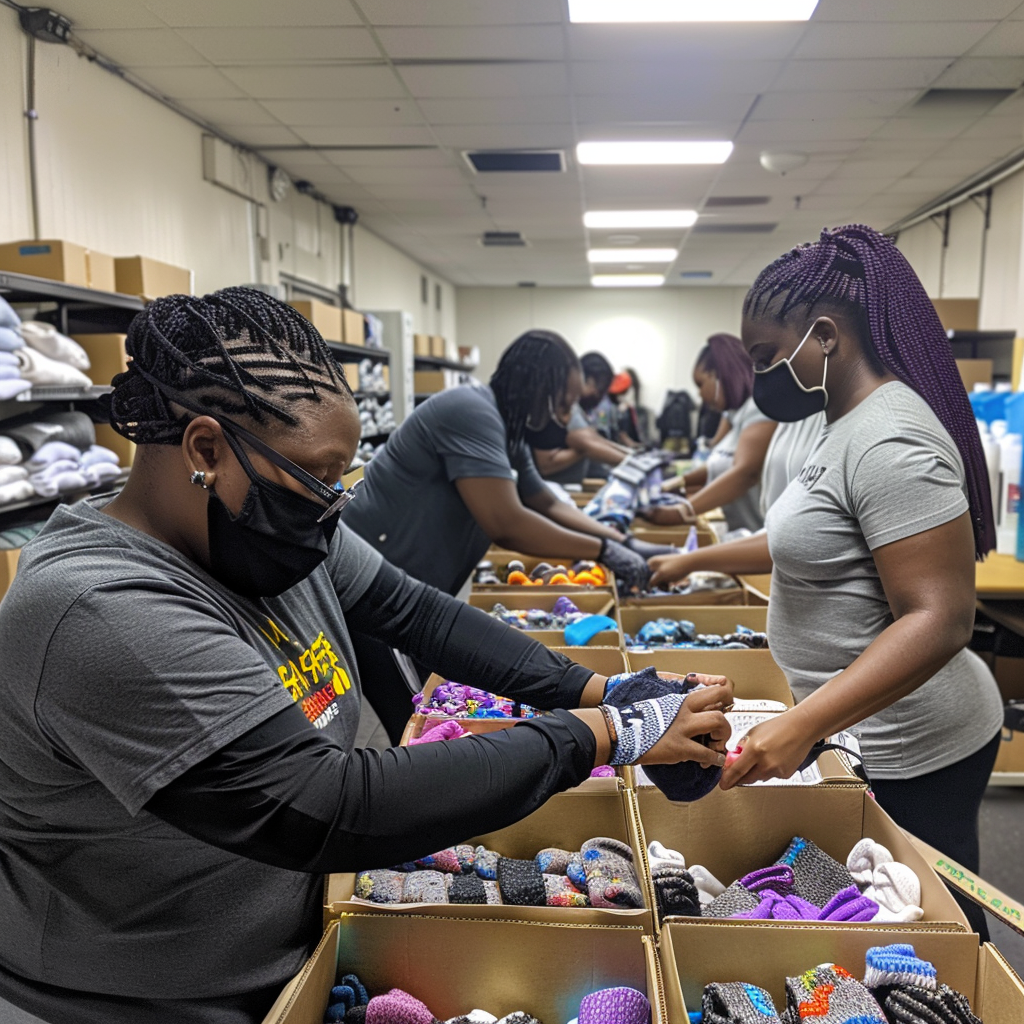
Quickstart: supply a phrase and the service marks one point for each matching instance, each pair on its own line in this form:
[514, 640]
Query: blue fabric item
[10, 340]
[582, 631]
[362, 996]
[897, 964]
[8, 318]
[684, 782]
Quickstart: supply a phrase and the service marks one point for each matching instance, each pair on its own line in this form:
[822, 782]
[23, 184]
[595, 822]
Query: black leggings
[942, 808]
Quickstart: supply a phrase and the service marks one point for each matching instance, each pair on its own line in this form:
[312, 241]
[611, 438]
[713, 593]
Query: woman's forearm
[732, 484]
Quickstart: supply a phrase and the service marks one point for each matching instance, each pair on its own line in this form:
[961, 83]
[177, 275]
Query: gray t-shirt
[885, 471]
[122, 665]
[745, 511]
[408, 506]
[787, 452]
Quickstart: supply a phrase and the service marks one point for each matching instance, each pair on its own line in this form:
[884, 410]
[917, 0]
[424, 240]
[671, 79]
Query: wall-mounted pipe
[31, 117]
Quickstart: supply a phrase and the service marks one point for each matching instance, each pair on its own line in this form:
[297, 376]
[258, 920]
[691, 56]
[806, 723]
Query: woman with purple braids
[874, 543]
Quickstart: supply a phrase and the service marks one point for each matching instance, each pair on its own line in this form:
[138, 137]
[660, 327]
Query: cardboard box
[975, 371]
[53, 258]
[100, 270]
[531, 562]
[106, 354]
[957, 314]
[326, 319]
[727, 595]
[353, 327]
[437, 347]
[1010, 759]
[429, 382]
[8, 567]
[707, 619]
[695, 953]
[677, 536]
[542, 969]
[732, 833]
[108, 437]
[567, 821]
[758, 588]
[421, 344]
[151, 279]
[387, 377]
[754, 674]
[351, 371]
[593, 603]
[605, 661]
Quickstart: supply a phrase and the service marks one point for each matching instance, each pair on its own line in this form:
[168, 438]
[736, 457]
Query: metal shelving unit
[347, 353]
[60, 393]
[437, 363]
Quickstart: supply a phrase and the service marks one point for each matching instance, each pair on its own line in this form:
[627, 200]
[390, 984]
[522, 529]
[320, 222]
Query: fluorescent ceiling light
[690, 10]
[632, 255]
[653, 152]
[640, 218]
[627, 280]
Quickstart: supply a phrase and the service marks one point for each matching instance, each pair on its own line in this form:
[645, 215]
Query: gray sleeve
[530, 481]
[577, 420]
[352, 564]
[470, 437]
[204, 686]
[904, 486]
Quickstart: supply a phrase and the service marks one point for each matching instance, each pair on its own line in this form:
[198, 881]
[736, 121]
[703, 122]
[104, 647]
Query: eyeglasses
[335, 498]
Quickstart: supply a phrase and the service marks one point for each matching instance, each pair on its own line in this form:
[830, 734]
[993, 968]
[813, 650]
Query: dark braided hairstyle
[725, 356]
[857, 271]
[238, 352]
[596, 368]
[532, 372]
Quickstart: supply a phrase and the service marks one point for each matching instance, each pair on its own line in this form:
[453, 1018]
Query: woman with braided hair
[181, 695]
[874, 543]
[463, 461]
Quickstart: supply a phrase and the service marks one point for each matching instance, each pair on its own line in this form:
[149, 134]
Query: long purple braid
[858, 265]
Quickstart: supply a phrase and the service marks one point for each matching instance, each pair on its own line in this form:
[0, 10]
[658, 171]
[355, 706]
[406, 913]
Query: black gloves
[630, 569]
[645, 550]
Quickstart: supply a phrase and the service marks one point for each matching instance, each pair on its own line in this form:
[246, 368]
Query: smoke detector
[782, 163]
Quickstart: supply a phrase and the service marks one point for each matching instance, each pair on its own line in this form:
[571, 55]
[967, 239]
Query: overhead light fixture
[639, 218]
[782, 163]
[627, 280]
[690, 10]
[654, 153]
[632, 255]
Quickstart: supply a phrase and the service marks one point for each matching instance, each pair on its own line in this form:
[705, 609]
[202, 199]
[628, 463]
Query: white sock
[55, 469]
[708, 887]
[97, 453]
[10, 340]
[48, 340]
[864, 858]
[52, 451]
[661, 856]
[476, 1017]
[73, 480]
[10, 453]
[101, 472]
[17, 491]
[10, 388]
[895, 887]
[40, 369]
[11, 474]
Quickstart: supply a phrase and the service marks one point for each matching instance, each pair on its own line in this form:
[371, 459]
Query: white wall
[121, 173]
[656, 331]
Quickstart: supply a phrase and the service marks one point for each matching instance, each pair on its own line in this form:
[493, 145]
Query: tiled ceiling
[374, 102]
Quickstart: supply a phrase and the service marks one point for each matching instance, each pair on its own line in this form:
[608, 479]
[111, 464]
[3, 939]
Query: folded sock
[97, 453]
[397, 1007]
[553, 861]
[10, 453]
[914, 1005]
[521, 883]
[896, 888]
[45, 338]
[849, 905]
[492, 893]
[576, 872]
[10, 340]
[50, 452]
[10, 474]
[40, 369]
[53, 469]
[61, 483]
[357, 1015]
[19, 490]
[707, 885]
[444, 860]
[676, 895]
[447, 730]
[560, 892]
[864, 858]
[777, 877]
[620, 1005]
[467, 889]
[474, 1017]
[733, 902]
[519, 1017]
[11, 387]
[829, 994]
[32, 430]
[660, 855]
[485, 863]
[734, 1002]
[425, 887]
[611, 879]
[683, 782]
[381, 885]
[897, 964]
[817, 877]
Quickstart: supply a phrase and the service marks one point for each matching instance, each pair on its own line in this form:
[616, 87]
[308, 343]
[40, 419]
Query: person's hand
[630, 569]
[771, 750]
[660, 515]
[670, 568]
[700, 729]
[647, 550]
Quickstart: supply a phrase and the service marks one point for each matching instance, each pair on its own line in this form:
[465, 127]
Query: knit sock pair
[611, 879]
[621, 1005]
[817, 877]
[708, 887]
[847, 905]
[907, 988]
[398, 1007]
[829, 994]
[735, 1002]
[674, 887]
[347, 994]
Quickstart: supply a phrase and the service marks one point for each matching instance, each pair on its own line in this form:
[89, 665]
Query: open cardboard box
[708, 619]
[567, 821]
[734, 832]
[674, 535]
[498, 966]
[695, 953]
[726, 595]
[754, 674]
[500, 563]
[758, 588]
[594, 602]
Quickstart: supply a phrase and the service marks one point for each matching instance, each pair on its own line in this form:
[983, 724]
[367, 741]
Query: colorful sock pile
[681, 634]
[563, 613]
[601, 874]
[455, 700]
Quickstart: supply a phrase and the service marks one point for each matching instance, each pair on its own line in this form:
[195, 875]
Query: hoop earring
[198, 477]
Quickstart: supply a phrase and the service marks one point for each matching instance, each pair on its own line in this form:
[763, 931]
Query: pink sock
[398, 1007]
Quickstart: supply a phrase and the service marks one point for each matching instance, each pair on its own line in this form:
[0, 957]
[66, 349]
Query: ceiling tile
[1005, 40]
[876, 170]
[377, 175]
[496, 136]
[463, 12]
[923, 38]
[792, 106]
[265, 135]
[86, 15]
[191, 83]
[983, 73]
[486, 81]
[144, 47]
[670, 79]
[306, 82]
[664, 110]
[524, 110]
[229, 113]
[243, 45]
[940, 167]
[923, 188]
[1008, 129]
[848, 187]
[683, 43]
[922, 128]
[911, 10]
[781, 134]
[345, 113]
[417, 193]
[506, 42]
[365, 135]
[426, 157]
[253, 13]
[840, 75]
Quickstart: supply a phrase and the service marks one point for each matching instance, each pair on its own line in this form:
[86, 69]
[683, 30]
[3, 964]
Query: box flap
[999, 997]
[304, 998]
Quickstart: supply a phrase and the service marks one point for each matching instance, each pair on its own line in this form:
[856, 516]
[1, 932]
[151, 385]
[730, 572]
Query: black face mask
[779, 394]
[589, 402]
[276, 540]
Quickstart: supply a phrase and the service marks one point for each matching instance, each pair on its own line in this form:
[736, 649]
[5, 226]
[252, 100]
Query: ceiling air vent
[502, 239]
[711, 228]
[959, 102]
[696, 275]
[722, 201]
[516, 161]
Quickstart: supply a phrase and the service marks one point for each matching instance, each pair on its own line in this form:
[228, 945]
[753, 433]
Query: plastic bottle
[990, 446]
[1015, 413]
[1011, 452]
[702, 452]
